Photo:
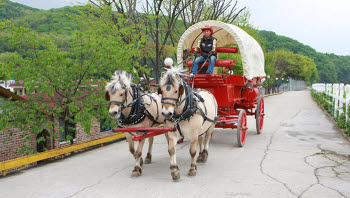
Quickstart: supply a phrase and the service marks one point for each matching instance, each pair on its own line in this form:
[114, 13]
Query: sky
[322, 24]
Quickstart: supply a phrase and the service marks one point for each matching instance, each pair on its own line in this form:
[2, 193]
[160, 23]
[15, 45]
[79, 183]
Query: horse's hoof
[175, 175]
[136, 172]
[199, 159]
[204, 156]
[192, 172]
[148, 159]
[204, 159]
[175, 172]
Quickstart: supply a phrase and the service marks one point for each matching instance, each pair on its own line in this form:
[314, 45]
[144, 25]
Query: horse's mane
[119, 80]
[173, 76]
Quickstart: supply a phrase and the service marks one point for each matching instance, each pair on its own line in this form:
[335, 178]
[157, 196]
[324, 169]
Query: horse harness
[138, 109]
[190, 109]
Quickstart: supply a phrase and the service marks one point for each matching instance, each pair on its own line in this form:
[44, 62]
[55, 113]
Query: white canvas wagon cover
[227, 34]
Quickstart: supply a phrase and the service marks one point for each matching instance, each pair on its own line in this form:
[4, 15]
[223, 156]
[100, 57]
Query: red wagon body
[233, 94]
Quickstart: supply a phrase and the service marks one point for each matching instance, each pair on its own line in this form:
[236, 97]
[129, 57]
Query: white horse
[193, 112]
[132, 109]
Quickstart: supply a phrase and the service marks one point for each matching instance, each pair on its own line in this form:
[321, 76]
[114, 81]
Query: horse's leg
[148, 158]
[167, 138]
[193, 150]
[175, 171]
[139, 162]
[201, 147]
[131, 143]
[206, 144]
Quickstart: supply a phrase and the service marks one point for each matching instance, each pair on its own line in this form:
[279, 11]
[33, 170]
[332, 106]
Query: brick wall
[10, 149]
[81, 136]
[11, 145]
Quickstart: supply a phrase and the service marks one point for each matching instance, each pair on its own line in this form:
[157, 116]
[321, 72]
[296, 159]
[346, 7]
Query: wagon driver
[208, 46]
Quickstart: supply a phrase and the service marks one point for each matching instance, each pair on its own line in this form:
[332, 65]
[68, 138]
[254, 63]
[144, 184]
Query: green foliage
[62, 78]
[58, 23]
[10, 59]
[53, 21]
[11, 10]
[283, 64]
[331, 68]
[327, 103]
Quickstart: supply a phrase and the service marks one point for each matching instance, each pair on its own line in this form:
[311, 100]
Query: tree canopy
[283, 64]
[59, 81]
[11, 10]
[331, 68]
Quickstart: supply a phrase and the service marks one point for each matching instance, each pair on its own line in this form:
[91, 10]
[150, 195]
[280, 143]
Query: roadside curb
[273, 94]
[58, 152]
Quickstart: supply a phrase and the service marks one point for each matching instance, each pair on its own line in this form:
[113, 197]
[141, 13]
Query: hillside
[11, 10]
[55, 21]
[331, 68]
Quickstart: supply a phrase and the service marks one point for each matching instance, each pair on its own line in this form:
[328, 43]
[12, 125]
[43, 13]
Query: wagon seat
[226, 64]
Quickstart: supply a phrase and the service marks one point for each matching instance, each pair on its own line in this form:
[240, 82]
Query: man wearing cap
[208, 46]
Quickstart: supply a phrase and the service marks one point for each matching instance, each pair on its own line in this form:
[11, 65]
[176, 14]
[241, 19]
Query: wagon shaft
[145, 132]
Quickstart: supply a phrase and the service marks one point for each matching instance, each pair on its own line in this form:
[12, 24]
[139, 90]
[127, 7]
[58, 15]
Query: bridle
[174, 104]
[177, 100]
[122, 105]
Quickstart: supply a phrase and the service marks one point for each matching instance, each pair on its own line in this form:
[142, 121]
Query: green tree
[331, 68]
[62, 78]
[11, 10]
[282, 64]
[8, 58]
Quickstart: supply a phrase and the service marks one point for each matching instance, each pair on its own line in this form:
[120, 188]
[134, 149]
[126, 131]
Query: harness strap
[206, 118]
[117, 103]
[153, 99]
[138, 109]
[201, 99]
[179, 129]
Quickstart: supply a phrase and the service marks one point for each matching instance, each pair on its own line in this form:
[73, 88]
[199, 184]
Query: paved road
[299, 154]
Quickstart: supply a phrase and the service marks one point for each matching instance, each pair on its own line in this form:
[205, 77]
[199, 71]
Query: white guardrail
[340, 94]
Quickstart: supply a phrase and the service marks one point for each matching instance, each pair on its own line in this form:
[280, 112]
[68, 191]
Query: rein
[186, 59]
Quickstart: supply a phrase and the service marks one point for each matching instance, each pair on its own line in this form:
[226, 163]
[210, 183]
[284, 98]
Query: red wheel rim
[243, 128]
[261, 114]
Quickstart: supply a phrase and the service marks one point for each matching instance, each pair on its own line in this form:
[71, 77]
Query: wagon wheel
[259, 115]
[241, 128]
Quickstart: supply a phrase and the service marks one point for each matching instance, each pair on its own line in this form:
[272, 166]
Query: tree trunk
[156, 66]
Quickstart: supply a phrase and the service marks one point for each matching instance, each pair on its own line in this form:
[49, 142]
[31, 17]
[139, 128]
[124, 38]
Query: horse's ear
[159, 90]
[107, 97]
[181, 89]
